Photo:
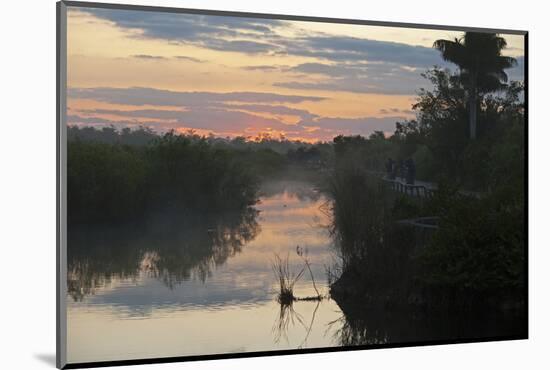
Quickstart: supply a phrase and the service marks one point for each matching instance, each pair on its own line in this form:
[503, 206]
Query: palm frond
[478, 54]
[451, 51]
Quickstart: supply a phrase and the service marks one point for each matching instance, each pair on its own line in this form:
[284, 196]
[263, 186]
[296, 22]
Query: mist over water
[208, 287]
[219, 302]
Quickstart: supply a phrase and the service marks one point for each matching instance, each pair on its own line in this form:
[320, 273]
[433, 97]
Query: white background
[27, 182]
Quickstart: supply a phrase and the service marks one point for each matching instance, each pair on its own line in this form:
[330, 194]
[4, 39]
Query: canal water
[198, 285]
[140, 297]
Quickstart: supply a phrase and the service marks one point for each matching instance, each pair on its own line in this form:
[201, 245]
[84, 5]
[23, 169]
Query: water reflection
[172, 251]
[190, 288]
[288, 317]
[300, 190]
[367, 326]
[205, 286]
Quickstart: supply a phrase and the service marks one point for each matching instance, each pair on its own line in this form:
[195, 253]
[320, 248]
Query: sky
[234, 76]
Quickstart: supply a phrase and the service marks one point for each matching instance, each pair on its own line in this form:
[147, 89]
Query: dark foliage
[120, 182]
[475, 258]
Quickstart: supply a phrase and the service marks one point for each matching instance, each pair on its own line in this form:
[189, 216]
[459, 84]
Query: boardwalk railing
[420, 191]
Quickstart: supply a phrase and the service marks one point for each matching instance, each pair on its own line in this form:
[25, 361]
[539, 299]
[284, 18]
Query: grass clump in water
[287, 279]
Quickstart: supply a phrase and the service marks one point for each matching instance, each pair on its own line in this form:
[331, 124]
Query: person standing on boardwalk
[402, 169]
[390, 169]
[411, 171]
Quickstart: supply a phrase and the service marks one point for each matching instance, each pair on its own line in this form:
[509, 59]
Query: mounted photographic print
[235, 184]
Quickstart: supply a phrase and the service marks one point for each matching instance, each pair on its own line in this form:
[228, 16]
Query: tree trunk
[473, 115]
[472, 102]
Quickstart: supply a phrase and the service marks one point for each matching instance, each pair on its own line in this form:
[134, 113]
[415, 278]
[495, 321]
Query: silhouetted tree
[479, 57]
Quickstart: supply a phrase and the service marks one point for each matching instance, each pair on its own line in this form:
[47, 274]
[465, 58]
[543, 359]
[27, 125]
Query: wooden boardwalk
[421, 189]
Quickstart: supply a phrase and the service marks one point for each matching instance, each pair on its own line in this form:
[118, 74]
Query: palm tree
[481, 63]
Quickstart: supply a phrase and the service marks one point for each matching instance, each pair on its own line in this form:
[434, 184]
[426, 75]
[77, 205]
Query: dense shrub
[119, 182]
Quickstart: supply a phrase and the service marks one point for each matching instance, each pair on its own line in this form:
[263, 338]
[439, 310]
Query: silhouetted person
[402, 169]
[411, 171]
[390, 169]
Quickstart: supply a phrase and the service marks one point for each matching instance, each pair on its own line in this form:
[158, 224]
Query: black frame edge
[526, 174]
[288, 17]
[224, 356]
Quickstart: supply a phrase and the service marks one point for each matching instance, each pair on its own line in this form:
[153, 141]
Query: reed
[286, 278]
